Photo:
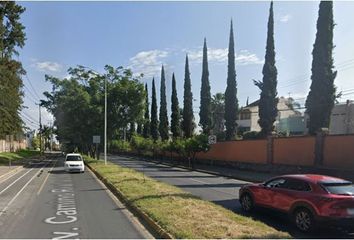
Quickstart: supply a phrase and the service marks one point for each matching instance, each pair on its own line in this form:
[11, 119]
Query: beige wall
[252, 151]
[339, 151]
[294, 151]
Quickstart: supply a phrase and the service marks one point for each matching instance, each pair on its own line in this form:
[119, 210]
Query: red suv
[308, 199]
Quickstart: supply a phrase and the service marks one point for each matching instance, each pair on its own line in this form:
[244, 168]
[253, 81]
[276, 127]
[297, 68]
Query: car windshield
[341, 188]
[73, 158]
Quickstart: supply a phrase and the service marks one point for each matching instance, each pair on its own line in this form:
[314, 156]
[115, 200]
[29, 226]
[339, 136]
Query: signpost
[212, 139]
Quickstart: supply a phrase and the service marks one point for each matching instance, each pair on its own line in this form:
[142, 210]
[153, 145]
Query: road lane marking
[45, 180]
[19, 192]
[9, 176]
[15, 181]
[10, 172]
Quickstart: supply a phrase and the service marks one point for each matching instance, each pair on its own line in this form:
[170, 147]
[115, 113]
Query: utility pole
[40, 129]
[105, 121]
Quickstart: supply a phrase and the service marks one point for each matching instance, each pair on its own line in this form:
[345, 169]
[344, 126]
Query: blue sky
[145, 35]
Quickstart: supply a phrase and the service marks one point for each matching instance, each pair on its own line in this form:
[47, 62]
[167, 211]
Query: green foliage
[154, 121]
[146, 130]
[12, 36]
[175, 117]
[196, 144]
[268, 102]
[77, 104]
[205, 97]
[231, 102]
[141, 144]
[188, 116]
[163, 124]
[119, 146]
[321, 98]
[251, 135]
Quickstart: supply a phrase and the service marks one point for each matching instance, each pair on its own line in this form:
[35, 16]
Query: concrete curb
[158, 230]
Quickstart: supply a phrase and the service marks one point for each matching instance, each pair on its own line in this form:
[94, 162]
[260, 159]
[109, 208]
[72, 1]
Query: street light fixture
[105, 112]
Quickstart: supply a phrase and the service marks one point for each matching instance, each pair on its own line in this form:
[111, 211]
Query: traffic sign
[96, 139]
[212, 139]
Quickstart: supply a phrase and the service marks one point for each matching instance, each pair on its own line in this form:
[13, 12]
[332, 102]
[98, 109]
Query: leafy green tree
[268, 102]
[321, 98]
[154, 121]
[146, 130]
[231, 103]
[205, 97]
[175, 117]
[77, 104]
[12, 36]
[188, 116]
[163, 124]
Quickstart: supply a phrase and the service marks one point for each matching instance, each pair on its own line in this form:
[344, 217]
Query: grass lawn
[180, 213]
[15, 157]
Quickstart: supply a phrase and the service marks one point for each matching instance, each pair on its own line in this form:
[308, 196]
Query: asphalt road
[222, 191]
[43, 201]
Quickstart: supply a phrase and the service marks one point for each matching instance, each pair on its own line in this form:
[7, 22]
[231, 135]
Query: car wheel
[246, 202]
[304, 220]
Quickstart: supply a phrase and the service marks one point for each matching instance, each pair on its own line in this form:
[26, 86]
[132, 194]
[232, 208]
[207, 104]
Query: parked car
[307, 199]
[74, 163]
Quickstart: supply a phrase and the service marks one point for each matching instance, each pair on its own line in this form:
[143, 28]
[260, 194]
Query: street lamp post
[105, 121]
[105, 114]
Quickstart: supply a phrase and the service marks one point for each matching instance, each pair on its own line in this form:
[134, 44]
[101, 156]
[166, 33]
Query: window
[73, 158]
[339, 188]
[276, 183]
[297, 185]
[245, 115]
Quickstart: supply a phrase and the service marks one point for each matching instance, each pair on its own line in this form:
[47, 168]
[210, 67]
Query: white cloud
[285, 18]
[148, 62]
[47, 66]
[219, 55]
[244, 57]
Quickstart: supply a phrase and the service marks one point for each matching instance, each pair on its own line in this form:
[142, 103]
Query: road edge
[147, 222]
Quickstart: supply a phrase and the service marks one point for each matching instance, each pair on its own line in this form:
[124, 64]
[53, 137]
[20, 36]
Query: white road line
[19, 192]
[13, 170]
[9, 176]
[15, 181]
[45, 180]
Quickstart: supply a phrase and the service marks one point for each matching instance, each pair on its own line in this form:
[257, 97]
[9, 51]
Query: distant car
[74, 163]
[307, 199]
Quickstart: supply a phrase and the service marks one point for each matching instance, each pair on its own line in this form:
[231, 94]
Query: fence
[326, 151]
[11, 145]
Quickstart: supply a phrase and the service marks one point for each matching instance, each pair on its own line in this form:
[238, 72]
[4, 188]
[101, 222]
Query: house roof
[253, 104]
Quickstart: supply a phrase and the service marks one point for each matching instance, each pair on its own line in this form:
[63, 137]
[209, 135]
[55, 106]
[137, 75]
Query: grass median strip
[15, 157]
[180, 213]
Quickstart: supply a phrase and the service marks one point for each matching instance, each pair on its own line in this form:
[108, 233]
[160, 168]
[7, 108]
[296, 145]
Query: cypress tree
[321, 98]
[188, 116]
[231, 103]
[146, 130]
[154, 121]
[268, 101]
[205, 97]
[163, 127]
[175, 117]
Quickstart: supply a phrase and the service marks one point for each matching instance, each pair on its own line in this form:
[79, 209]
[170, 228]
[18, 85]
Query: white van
[74, 163]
